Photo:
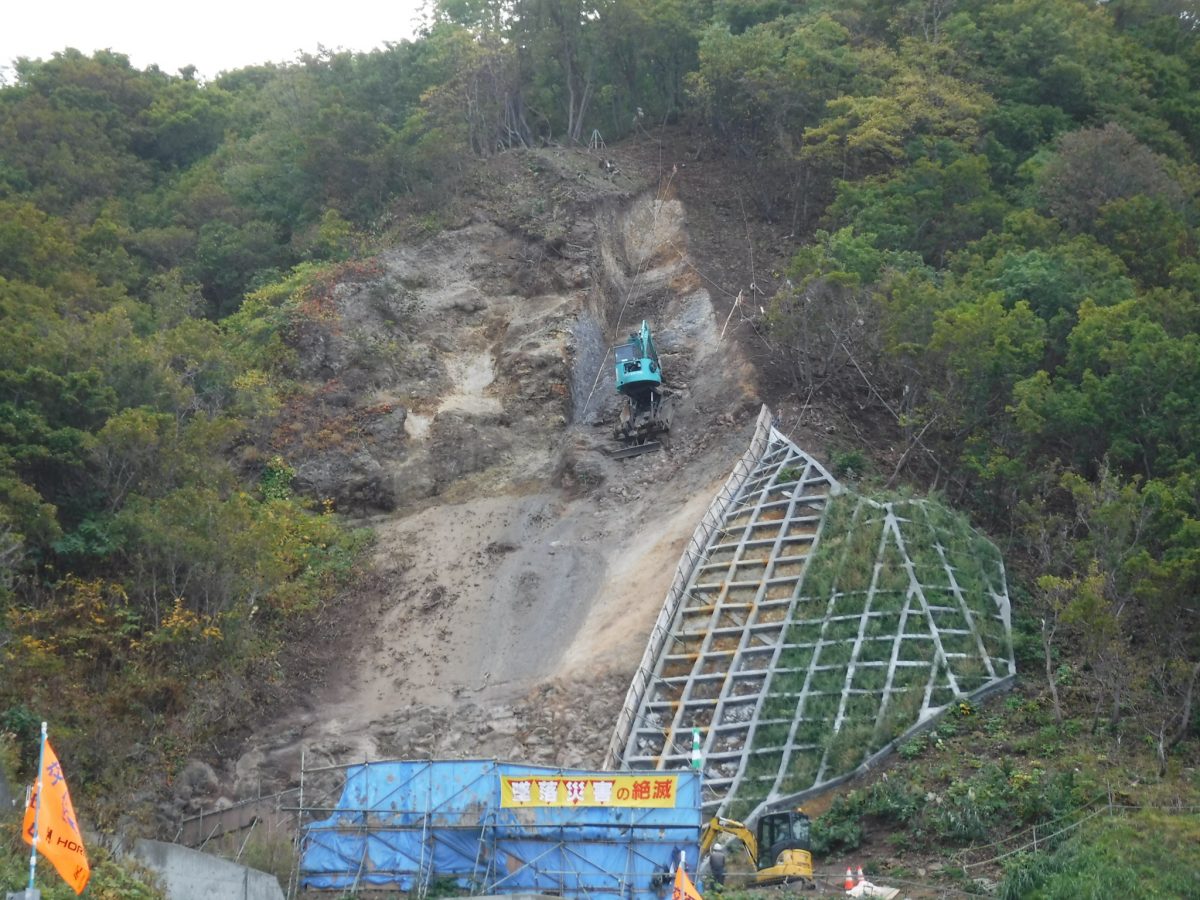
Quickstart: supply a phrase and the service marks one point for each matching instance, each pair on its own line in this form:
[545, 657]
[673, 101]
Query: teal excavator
[645, 411]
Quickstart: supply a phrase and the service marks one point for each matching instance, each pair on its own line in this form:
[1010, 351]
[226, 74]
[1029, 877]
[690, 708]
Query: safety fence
[196, 831]
[1048, 835]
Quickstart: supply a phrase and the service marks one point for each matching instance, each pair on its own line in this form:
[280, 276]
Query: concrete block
[191, 875]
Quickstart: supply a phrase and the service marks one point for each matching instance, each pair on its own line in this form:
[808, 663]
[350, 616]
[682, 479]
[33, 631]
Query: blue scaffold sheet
[505, 828]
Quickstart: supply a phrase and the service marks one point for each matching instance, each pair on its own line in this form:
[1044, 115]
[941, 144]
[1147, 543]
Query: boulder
[355, 481]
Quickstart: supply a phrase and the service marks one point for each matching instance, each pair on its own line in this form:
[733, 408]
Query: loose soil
[517, 568]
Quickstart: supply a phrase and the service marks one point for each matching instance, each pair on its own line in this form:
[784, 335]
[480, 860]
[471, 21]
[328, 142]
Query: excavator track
[637, 450]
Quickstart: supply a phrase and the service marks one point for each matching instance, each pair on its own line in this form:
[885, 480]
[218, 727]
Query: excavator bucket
[641, 424]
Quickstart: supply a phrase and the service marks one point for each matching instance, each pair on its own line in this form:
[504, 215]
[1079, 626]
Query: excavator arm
[720, 825]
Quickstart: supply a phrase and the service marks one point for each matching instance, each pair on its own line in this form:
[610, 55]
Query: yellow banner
[618, 790]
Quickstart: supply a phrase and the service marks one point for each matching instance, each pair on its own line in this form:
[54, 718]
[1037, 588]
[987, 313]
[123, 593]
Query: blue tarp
[398, 824]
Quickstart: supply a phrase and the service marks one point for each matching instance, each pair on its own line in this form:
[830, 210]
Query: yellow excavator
[781, 851]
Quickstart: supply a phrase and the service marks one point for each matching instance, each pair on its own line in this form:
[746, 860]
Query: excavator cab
[784, 846]
[638, 370]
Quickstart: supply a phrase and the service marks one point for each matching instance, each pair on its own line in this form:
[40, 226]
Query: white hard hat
[716, 846]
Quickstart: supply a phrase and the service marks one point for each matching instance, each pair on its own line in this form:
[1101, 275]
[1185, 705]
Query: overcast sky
[213, 35]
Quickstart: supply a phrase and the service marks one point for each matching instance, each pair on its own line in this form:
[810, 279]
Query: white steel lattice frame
[727, 630]
[716, 656]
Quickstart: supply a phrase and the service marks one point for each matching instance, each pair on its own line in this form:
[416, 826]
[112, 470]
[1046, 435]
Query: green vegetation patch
[1150, 854]
[861, 561]
[876, 650]
[111, 878]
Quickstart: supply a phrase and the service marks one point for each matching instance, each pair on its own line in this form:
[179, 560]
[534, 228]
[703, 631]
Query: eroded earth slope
[517, 567]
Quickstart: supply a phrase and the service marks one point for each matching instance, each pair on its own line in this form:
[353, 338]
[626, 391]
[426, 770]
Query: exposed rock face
[356, 482]
[522, 567]
[389, 427]
[195, 788]
[462, 443]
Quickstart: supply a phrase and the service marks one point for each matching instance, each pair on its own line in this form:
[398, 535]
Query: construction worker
[666, 875]
[716, 865]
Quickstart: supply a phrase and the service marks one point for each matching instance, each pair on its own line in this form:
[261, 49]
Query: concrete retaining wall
[190, 875]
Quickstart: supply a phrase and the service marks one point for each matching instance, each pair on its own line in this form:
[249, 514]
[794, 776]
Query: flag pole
[37, 809]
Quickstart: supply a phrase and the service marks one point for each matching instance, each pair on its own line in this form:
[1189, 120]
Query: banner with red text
[620, 790]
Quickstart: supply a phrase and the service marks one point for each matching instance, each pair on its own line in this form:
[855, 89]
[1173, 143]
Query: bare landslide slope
[518, 568]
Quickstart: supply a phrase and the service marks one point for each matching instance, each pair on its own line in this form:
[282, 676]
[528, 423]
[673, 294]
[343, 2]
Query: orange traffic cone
[849, 884]
[860, 875]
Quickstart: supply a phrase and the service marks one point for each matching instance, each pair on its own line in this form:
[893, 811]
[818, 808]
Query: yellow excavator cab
[780, 848]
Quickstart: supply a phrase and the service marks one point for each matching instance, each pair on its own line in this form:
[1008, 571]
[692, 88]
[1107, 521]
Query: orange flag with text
[59, 839]
[684, 889]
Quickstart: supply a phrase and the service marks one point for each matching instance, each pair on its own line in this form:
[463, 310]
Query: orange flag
[59, 839]
[684, 889]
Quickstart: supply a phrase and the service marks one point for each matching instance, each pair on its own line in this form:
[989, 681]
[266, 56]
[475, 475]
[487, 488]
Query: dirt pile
[519, 567]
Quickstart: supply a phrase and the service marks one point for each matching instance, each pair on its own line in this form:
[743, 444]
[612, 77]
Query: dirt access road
[519, 569]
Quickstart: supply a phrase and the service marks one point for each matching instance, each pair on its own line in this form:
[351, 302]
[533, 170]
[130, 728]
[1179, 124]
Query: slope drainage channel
[808, 630]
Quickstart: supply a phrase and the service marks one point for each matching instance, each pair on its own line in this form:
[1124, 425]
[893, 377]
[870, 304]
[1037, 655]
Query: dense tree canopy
[1019, 225]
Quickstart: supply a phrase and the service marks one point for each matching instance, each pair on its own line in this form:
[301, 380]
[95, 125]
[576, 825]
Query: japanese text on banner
[619, 790]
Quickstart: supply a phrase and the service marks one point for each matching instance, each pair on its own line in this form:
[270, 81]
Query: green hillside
[984, 231]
